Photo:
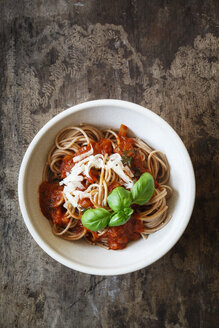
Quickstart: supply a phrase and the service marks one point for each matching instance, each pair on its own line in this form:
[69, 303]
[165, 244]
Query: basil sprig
[120, 200]
[143, 189]
[95, 219]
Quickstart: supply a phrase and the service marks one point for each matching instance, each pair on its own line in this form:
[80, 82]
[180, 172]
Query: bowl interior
[92, 259]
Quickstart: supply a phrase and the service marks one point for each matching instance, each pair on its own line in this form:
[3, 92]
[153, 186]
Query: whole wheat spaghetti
[84, 166]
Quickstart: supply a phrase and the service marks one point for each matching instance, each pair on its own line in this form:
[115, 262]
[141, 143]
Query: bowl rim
[80, 107]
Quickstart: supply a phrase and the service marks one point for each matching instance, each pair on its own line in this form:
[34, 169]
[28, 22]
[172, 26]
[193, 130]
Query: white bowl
[93, 259]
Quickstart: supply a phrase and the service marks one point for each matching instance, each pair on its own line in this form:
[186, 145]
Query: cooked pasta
[84, 166]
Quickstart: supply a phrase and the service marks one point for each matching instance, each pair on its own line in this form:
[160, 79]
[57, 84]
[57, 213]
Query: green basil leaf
[121, 217]
[96, 219]
[143, 189]
[126, 160]
[119, 198]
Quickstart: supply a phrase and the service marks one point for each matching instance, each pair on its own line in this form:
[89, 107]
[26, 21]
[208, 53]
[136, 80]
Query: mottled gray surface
[161, 54]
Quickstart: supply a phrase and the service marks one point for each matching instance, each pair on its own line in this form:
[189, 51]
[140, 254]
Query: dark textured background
[160, 54]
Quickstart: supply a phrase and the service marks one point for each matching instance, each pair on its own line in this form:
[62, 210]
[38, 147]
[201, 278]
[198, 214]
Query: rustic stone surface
[161, 54]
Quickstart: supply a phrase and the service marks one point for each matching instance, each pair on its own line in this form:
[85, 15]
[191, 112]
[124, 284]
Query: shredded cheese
[84, 155]
[83, 164]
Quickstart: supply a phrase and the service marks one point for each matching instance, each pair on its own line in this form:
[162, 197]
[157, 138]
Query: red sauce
[51, 197]
[66, 165]
[126, 148]
[125, 145]
[138, 163]
[104, 146]
[93, 175]
[113, 186]
[123, 130]
[118, 237]
[85, 203]
[79, 227]
[82, 150]
[51, 200]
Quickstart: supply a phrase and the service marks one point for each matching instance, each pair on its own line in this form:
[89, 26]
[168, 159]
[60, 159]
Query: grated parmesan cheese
[83, 164]
[82, 156]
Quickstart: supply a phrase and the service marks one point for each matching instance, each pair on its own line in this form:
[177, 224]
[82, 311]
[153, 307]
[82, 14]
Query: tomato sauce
[66, 165]
[125, 145]
[123, 130]
[113, 186]
[126, 149]
[85, 203]
[51, 197]
[79, 227]
[93, 175]
[138, 163]
[118, 237]
[51, 200]
[104, 146]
